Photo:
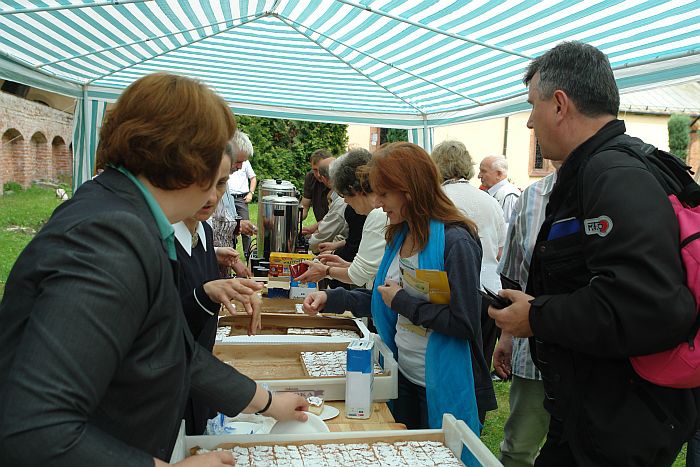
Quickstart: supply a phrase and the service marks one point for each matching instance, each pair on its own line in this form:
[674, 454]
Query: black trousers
[555, 451]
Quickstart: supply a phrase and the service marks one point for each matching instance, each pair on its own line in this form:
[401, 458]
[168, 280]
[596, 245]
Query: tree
[679, 135]
[282, 147]
[392, 135]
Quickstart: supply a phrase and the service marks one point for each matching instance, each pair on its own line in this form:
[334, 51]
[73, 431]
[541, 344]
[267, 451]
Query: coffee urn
[270, 187]
[279, 226]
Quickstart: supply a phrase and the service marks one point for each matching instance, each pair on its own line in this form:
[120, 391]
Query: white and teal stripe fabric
[423, 137]
[87, 122]
[389, 63]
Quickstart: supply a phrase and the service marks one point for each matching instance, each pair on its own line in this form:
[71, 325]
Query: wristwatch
[328, 272]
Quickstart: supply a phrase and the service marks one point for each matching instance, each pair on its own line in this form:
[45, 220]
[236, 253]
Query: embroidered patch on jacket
[600, 226]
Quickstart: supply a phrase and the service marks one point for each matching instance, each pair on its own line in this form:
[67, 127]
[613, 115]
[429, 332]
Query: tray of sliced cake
[447, 446]
[310, 368]
[286, 329]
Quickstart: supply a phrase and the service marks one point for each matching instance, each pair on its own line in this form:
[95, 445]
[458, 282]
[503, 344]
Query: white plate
[329, 412]
[242, 428]
[313, 425]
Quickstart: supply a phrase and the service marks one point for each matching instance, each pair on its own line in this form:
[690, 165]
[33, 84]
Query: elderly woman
[456, 169]
[438, 346]
[97, 358]
[358, 194]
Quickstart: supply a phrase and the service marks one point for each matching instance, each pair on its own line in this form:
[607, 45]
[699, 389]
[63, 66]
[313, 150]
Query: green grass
[30, 209]
[492, 433]
[22, 213]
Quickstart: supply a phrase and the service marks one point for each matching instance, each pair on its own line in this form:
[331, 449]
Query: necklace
[195, 240]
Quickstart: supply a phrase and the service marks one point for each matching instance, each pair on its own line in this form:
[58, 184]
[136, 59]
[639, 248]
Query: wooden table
[381, 419]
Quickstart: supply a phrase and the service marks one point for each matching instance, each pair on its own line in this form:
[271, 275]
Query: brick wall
[34, 141]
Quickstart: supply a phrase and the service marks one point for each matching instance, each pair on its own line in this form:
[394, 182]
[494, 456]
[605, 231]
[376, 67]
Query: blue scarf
[449, 378]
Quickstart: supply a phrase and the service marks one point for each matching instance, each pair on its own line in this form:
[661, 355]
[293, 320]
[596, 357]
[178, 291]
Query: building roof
[666, 100]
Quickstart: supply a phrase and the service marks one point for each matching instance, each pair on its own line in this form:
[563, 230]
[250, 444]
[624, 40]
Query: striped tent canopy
[389, 63]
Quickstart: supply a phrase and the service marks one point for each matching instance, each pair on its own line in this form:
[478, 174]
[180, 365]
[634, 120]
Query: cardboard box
[301, 290]
[280, 262]
[359, 379]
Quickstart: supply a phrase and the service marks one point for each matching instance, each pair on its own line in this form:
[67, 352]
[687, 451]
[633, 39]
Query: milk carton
[359, 379]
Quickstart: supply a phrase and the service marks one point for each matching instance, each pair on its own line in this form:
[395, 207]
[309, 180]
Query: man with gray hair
[605, 281]
[493, 173]
[242, 182]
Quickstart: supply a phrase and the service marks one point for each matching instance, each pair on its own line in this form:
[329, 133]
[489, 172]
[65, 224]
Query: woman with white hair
[456, 167]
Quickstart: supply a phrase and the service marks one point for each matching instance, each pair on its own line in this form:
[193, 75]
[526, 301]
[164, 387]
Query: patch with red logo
[600, 226]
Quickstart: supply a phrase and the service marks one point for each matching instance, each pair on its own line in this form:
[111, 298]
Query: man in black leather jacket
[607, 277]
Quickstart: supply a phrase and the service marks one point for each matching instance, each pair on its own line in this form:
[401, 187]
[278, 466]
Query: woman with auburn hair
[438, 346]
[97, 359]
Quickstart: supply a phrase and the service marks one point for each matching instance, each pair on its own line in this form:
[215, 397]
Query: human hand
[227, 256]
[515, 318]
[310, 230]
[315, 273]
[241, 270]
[248, 198]
[388, 291]
[225, 290]
[333, 261]
[328, 247]
[210, 459]
[288, 406]
[314, 302]
[502, 356]
[248, 228]
[255, 323]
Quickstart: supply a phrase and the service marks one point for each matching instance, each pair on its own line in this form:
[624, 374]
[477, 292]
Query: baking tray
[281, 369]
[454, 434]
[275, 326]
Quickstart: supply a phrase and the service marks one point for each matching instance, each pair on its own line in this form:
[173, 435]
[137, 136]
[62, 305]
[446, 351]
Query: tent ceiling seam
[253, 18]
[451, 91]
[141, 41]
[72, 6]
[435, 30]
[292, 25]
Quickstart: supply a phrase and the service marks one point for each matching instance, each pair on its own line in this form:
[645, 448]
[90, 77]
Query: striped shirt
[524, 225]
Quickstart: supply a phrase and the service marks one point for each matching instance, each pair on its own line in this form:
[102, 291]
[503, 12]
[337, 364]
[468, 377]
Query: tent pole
[435, 30]
[86, 138]
[426, 135]
[71, 7]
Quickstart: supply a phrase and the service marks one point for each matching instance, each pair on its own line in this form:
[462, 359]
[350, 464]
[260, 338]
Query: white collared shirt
[184, 237]
[506, 194]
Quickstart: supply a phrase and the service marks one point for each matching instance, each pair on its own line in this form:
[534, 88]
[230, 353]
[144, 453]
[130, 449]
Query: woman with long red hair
[442, 368]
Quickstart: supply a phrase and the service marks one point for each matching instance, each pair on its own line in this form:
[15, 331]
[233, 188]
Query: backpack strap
[673, 175]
